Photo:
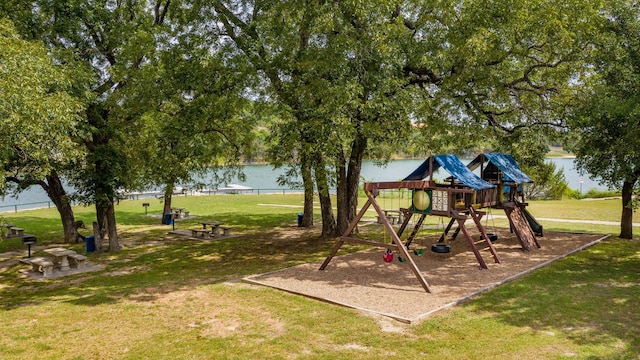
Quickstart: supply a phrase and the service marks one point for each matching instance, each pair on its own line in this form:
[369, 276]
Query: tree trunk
[114, 242]
[58, 196]
[307, 180]
[348, 184]
[100, 233]
[107, 225]
[328, 220]
[168, 196]
[342, 198]
[626, 223]
[97, 240]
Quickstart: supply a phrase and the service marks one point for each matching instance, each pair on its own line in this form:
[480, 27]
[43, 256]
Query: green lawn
[161, 298]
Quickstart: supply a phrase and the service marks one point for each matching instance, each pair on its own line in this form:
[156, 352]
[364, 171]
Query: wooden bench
[43, 265]
[77, 261]
[206, 234]
[186, 214]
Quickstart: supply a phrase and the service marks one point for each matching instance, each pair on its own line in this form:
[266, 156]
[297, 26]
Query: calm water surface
[264, 177]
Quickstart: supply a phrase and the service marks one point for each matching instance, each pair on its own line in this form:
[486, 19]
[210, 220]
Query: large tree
[39, 120]
[195, 121]
[339, 89]
[135, 51]
[606, 122]
[114, 40]
[353, 75]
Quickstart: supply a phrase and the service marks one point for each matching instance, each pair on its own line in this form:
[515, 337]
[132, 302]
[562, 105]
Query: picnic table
[213, 224]
[216, 226]
[13, 231]
[8, 226]
[394, 216]
[60, 257]
[178, 212]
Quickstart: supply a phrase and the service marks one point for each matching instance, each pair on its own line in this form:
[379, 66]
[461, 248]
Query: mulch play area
[363, 281]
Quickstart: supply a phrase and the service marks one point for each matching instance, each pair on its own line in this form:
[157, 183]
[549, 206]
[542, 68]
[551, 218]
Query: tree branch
[161, 12]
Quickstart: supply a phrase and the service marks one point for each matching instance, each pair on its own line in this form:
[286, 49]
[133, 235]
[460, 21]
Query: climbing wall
[521, 227]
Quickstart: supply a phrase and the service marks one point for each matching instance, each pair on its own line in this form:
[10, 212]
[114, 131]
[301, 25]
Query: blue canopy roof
[453, 166]
[506, 163]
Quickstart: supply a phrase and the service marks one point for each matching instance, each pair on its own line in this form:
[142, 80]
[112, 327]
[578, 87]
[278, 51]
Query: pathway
[575, 221]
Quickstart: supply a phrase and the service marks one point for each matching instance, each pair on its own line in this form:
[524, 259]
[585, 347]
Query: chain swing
[493, 236]
[388, 255]
[420, 251]
[440, 247]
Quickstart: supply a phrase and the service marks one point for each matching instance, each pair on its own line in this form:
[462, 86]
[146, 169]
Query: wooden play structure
[503, 171]
[458, 200]
[461, 198]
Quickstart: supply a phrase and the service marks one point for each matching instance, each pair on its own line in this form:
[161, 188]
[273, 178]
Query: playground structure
[461, 198]
[503, 170]
[503, 173]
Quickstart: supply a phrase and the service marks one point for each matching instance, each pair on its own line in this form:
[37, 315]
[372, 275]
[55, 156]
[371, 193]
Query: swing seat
[492, 237]
[441, 248]
[418, 252]
[401, 259]
[387, 257]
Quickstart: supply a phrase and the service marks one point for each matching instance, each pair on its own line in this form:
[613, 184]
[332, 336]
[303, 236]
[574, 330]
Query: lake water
[264, 178]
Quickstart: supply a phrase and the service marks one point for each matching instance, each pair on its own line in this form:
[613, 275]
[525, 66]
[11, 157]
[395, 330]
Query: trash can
[300, 216]
[168, 219]
[90, 243]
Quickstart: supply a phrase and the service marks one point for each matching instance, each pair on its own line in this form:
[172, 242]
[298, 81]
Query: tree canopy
[606, 115]
[353, 77]
[175, 86]
[38, 115]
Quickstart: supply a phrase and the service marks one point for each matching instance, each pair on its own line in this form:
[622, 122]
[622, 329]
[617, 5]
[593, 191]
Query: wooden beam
[476, 216]
[401, 248]
[370, 243]
[461, 219]
[410, 184]
[395, 245]
[348, 231]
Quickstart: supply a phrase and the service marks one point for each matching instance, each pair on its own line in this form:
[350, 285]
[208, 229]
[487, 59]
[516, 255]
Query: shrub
[549, 183]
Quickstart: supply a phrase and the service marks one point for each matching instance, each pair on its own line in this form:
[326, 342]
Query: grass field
[165, 298]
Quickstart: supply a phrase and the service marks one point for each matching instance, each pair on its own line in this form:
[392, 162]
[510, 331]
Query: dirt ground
[364, 281]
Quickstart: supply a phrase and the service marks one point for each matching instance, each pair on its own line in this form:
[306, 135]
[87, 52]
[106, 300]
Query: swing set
[461, 198]
[422, 204]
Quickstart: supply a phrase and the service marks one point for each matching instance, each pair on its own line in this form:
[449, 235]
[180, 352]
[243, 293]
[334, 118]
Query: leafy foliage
[38, 113]
[549, 183]
[605, 119]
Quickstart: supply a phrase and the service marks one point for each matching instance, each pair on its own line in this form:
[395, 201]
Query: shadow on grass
[244, 221]
[568, 296]
[151, 268]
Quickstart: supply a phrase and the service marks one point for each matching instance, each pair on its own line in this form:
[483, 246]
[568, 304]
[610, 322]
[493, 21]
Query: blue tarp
[453, 166]
[506, 163]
